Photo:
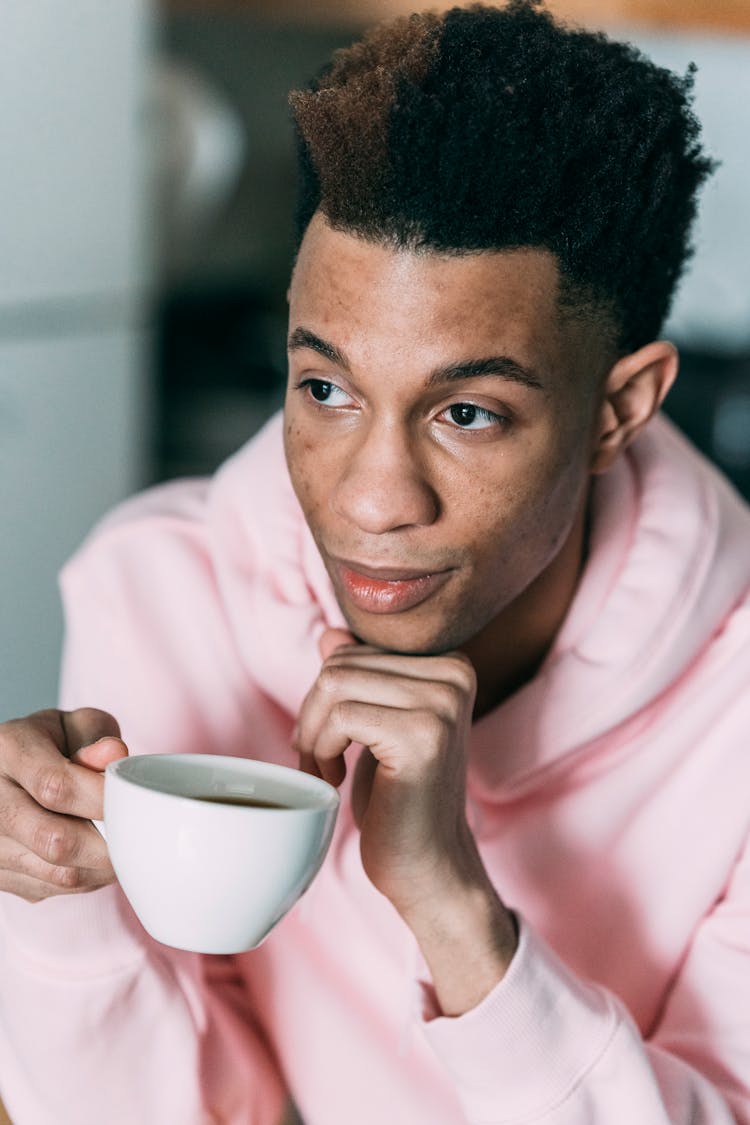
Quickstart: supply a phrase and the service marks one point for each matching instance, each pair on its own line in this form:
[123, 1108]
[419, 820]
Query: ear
[634, 390]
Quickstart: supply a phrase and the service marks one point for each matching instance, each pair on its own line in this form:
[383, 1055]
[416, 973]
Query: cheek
[298, 452]
[524, 519]
[554, 507]
[306, 462]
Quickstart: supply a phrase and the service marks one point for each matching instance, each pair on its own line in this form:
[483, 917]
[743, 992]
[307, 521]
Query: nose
[384, 486]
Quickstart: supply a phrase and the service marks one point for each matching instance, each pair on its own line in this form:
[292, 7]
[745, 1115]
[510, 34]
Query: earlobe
[634, 390]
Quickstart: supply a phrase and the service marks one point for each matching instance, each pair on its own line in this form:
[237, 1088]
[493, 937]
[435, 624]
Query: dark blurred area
[710, 402]
[221, 323]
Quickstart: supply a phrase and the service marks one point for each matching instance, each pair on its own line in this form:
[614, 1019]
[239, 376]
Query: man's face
[439, 427]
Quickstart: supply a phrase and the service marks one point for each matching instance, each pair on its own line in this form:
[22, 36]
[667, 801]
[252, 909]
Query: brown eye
[326, 393]
[463, 413]
[319, 390]
[469, 416]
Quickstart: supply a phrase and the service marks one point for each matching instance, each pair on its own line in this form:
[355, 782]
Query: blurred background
[145, 241]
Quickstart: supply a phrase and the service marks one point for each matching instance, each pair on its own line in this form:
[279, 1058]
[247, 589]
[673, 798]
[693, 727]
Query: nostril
[377, 501]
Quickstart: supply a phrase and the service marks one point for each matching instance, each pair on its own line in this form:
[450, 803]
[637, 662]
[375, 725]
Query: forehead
[366, 297]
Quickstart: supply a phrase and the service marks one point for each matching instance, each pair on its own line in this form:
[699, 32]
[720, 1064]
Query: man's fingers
[332, 770]
[17, 860]
[364, 772]
[372, 725]
[86, 726]
[343, 683]
[51, 787]
[451, 668]
[308, 765]
[33, 755]
[99, 754]
[333, 639]
[65, 841]
[37, 890]
[64, 787]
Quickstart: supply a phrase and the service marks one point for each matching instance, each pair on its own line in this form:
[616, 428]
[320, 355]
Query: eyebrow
[304, 338]
[498, 365]
[501, 365]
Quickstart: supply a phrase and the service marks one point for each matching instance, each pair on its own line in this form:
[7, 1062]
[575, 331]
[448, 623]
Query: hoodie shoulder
[179, 512]
[150, 634]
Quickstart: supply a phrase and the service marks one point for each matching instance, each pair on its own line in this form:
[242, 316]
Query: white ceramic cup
[206, 876]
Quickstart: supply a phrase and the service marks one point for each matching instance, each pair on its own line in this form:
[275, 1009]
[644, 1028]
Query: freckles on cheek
[299, 457]
[298, 447]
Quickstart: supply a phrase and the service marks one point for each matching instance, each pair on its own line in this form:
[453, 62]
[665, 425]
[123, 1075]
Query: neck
[509, 650]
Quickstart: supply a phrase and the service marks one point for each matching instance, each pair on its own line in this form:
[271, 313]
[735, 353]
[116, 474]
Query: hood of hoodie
[669, 558]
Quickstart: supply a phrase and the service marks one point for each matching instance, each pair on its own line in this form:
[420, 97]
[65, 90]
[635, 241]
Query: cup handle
[99, 826]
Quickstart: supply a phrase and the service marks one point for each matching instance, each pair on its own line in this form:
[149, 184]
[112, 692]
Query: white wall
[73, 350]
[712, 310]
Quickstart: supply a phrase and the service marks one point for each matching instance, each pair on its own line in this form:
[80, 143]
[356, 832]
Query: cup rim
[321, 788]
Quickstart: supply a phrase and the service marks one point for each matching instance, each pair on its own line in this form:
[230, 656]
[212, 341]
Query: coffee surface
[234, 799]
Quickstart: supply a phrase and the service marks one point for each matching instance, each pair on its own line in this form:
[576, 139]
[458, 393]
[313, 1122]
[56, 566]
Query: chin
[394, 633]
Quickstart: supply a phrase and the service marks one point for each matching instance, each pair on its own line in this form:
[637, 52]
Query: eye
[325, 393]
[469, 416]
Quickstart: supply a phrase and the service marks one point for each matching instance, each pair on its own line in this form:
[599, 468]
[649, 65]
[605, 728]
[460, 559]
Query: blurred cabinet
[73, 347]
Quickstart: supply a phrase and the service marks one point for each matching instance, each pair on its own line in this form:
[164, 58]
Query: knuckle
[331, 677]
[54, 843]
[15, 734]
[435, 735]
[68, 877]
[11, 728]
[343, 715]
[448, 699]
[51, 787]
[9, 736]
[464, 675]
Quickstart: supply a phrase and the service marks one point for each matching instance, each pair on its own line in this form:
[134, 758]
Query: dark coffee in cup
[238, 799]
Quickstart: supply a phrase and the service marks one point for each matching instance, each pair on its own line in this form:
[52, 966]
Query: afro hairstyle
[492, 128]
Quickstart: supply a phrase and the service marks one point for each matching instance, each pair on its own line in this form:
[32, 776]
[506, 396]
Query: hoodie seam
[45, 968]
[560, 1099]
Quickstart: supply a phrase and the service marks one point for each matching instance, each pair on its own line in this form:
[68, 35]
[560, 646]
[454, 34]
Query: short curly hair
[488, 128]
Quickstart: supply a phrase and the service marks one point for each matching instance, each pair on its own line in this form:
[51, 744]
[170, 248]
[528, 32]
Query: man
[529, 597]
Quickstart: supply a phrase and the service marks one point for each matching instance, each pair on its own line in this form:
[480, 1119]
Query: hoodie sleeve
[98, 1023]
[546, 1047]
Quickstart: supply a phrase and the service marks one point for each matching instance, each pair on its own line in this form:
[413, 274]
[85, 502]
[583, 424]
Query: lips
[388, 590]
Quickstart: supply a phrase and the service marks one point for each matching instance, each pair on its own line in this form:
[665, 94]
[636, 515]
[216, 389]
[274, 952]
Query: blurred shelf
[712, 15]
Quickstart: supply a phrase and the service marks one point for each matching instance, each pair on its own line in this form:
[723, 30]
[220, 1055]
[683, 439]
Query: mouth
[387, 589]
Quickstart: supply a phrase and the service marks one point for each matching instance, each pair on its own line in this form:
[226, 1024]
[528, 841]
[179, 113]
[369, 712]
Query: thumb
[331, 639]
[92, 737]
[99, 754]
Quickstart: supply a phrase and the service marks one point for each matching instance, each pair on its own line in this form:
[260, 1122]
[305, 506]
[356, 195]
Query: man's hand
[50, 787]
[413, 715]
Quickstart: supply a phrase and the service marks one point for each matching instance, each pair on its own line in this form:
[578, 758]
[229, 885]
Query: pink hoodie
[610, 798]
